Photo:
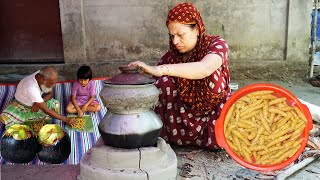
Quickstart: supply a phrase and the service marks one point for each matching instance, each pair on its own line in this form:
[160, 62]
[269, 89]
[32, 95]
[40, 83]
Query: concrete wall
[267, 38]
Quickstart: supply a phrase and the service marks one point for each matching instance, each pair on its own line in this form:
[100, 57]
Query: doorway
[30, 32]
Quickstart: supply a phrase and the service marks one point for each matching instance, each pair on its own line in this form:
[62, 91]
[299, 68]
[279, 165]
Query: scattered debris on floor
[185, 170]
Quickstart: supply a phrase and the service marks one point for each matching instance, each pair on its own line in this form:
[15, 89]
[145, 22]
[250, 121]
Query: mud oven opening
[129, 146]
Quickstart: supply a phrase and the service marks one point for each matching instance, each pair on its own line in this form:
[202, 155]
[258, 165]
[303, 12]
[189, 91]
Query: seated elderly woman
[193, 79]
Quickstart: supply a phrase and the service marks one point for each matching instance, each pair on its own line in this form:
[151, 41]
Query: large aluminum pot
[130, 121]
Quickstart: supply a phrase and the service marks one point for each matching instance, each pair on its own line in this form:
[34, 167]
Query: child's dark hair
[84, 72]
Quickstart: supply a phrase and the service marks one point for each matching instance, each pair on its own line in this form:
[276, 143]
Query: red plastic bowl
[279, 92]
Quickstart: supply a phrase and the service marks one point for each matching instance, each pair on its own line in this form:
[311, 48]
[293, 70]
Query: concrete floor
[193, 163]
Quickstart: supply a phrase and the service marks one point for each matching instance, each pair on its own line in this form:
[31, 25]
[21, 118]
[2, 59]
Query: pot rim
[129, 76]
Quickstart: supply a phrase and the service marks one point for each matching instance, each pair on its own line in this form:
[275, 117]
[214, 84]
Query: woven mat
[80, 141]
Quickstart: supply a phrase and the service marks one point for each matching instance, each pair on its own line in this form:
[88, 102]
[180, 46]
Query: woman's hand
[153, 70]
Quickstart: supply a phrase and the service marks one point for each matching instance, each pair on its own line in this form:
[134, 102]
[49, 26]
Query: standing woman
[193, 79]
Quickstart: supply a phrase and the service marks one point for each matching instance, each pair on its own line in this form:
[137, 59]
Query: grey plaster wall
[253, 28]
[299, 28]
[268, 39]
[72, 20]
[125, 30]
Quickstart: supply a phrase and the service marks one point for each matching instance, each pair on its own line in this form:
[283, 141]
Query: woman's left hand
[153, 70]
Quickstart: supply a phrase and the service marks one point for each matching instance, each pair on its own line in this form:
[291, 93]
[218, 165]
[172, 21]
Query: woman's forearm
[192, 70]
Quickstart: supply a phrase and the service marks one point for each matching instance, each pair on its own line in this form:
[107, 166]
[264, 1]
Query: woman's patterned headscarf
[186, 13]
[196, 93]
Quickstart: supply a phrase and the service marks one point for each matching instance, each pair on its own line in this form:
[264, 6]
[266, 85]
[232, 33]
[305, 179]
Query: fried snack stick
[80, 122]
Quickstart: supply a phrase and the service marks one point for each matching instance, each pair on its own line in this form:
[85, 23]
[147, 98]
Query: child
[83, 93]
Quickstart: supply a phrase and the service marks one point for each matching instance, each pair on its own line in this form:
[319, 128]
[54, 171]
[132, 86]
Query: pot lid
[129, 76]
